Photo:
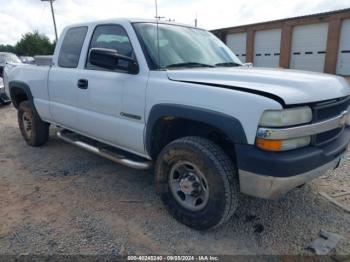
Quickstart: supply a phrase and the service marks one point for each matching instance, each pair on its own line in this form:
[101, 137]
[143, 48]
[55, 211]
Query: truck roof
[129, 20]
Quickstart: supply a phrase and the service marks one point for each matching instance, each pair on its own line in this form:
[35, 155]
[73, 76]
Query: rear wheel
[34, 131]
[198, 182]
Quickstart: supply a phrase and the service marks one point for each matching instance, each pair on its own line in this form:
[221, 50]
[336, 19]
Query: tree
[7, 48]
[32, 44]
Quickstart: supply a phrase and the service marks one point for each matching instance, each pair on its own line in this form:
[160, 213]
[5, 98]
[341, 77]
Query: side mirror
[110, 59]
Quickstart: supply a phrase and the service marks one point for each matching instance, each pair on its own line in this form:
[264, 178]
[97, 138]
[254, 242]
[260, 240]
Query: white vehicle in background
[43, 60]
[4, 99]
[175, 97]
[6, 57]
[27, 59]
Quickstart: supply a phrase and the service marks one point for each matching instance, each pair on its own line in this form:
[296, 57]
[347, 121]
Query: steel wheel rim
[189, 186]
[27, 124]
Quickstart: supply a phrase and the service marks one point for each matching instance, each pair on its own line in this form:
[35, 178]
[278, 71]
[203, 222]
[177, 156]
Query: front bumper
[270, 187]
[270, 175]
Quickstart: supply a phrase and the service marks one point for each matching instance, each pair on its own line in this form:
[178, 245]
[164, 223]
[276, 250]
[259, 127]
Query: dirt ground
[58, 199]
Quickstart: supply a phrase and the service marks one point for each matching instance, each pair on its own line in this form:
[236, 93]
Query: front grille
[330, 109]
[324, 111]
[327, 137]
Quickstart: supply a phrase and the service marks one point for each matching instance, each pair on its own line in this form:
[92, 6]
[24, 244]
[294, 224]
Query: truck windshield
[183, 47]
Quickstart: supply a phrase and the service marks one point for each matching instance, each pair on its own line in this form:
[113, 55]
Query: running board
[109, 152]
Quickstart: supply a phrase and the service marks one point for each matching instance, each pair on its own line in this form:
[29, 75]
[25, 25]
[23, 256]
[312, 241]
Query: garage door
[343, 64]
[237, 43]
[267, 46]
[309, 45]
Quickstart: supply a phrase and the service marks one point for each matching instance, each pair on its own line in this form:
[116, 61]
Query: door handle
[83, 83]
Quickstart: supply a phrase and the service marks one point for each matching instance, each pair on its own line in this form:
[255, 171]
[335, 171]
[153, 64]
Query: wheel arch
[19, 92]
[225, 124]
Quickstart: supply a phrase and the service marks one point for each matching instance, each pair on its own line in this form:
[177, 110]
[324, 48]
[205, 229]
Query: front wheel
[34, 131]
[198, 182]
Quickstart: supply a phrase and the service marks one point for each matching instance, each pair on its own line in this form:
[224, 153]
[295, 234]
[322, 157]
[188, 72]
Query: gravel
[58, 199]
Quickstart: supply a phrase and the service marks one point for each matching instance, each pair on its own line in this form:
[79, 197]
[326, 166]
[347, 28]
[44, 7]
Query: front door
[102, 112]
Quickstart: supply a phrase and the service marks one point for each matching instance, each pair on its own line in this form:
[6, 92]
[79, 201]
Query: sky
[20, 16]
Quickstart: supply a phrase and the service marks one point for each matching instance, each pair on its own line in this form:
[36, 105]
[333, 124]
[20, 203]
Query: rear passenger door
[63, 78]
[102, 112]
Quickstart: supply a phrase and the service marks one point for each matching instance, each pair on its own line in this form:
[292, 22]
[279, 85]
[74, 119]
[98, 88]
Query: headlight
[282, 145]
[286, 117]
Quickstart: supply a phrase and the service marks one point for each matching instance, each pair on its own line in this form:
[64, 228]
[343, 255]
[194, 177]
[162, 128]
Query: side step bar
[103, 150]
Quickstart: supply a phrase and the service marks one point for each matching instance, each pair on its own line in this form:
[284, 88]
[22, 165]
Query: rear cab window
[71, 47]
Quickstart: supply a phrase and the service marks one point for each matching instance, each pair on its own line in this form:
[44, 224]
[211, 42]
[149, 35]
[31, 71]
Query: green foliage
[34, 44]
[31, 44]
[7, 48]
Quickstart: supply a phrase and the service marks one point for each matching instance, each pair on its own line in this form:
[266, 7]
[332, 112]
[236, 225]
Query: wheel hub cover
[189, 185]
[186, 186]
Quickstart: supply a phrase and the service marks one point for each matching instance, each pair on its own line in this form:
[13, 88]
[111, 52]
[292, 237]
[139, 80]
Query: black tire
[37, 133]
[220, 174]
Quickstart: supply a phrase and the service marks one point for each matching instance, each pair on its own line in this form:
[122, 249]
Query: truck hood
[288, 87]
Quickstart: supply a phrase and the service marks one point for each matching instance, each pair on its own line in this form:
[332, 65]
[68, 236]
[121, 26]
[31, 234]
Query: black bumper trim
[4, 100]
[289, 163]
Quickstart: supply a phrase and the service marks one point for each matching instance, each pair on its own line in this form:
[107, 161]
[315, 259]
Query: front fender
[229, 125]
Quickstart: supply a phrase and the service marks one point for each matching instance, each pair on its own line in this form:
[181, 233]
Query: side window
[71, 47]
[110, 37]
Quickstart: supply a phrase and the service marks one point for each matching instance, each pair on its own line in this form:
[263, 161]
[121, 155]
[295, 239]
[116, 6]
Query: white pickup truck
[174, 97]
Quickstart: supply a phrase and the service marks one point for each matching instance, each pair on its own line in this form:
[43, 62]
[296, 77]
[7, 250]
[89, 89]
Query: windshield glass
[9, 58]
[184, 47]
[2, 58]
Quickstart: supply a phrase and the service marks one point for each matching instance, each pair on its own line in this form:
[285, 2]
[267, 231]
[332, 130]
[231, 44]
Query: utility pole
[196, 21]
[53, 16]
[157, 17]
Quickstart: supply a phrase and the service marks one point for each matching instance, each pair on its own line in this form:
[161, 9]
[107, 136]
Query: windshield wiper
[188, 64]
[228, 64]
